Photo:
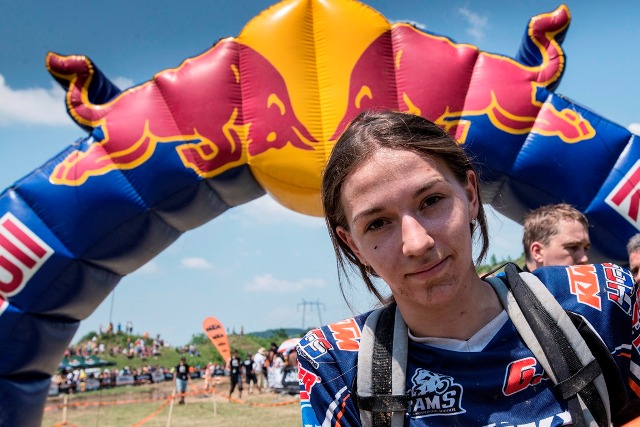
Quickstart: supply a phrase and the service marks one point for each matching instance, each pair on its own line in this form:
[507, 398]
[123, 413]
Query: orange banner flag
[218, 336]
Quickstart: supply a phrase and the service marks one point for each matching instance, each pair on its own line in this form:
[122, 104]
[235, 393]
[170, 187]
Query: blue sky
[254, 266]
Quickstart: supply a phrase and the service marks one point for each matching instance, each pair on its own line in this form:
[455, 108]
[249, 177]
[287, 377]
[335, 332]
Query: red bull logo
[174, 108]
[452, 83]
[275, 100]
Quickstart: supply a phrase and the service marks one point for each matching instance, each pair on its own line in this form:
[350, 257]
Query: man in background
[249, 372]
[633, 249]
[181, 377]
[260, 368]
[235, 373]
[555, 235]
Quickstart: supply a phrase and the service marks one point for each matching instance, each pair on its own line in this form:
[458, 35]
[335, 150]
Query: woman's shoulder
[332, 350]
[333, 339]
[328, 359]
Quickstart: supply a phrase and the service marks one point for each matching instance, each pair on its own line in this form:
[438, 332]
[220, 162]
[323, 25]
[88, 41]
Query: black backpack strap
[560, 348]
[623, 409]
[378, 389]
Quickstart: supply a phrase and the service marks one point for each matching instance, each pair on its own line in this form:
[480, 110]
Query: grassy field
[150, 406]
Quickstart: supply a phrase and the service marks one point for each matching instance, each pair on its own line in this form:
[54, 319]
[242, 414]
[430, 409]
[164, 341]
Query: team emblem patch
[434, 394]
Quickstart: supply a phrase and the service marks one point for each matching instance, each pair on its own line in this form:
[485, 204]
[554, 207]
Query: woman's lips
[428, 271]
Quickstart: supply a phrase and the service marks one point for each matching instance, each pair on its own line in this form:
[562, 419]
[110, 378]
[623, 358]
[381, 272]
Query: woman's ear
[471, 190]
[346, 237]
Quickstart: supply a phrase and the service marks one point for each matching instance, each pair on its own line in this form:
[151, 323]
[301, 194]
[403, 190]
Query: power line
[311, 304]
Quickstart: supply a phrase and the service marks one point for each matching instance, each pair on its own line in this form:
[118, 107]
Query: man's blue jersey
[500, 385]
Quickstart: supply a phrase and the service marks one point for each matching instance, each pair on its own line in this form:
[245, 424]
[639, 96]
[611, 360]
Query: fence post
[173, 398]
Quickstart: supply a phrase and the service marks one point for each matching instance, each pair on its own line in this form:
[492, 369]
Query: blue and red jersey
[501, 385]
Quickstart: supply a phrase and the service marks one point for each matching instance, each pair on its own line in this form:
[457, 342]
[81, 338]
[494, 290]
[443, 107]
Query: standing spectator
[249, 372]
[633, 249]
[181, 376]
[208, 377]
[235, 370]
[555, 235]
[260, 368]
[276, 372]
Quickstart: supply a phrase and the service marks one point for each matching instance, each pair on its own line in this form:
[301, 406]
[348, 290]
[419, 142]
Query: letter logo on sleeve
[313, 345]
[347, 334]
[583, 282]
[307, 380]
[522, 374]
[625, 197]
[22, 253]
[619, 286]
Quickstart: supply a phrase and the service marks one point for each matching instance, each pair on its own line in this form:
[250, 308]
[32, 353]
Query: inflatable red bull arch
[259, 113]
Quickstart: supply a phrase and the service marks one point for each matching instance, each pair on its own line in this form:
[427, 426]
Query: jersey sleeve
[327, 364]
[634, 368]
[606, 295]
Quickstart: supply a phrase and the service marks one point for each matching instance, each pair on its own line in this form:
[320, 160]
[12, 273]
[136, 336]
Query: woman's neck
[479, 306]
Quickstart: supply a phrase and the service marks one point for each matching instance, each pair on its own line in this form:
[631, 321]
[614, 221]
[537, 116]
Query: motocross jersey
[500, 384]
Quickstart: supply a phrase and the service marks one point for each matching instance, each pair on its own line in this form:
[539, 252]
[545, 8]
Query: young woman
[402, 206]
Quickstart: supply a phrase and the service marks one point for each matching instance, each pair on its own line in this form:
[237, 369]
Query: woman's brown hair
[368, 132]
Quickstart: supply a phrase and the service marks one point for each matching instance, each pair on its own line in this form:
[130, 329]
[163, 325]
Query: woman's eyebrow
[428, 186]
[367, 212]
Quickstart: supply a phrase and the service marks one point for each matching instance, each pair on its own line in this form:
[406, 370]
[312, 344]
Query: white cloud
[266, 210]
[268, 283]
[39, 106]
[196, 263]
[477, 23]
[635, 128]
[33, 105]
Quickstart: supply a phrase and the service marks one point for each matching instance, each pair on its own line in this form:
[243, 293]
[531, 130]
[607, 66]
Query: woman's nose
[415, 237]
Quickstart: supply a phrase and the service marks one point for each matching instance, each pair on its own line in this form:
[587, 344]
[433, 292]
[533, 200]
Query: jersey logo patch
[313, 346]
[307, 380]
[583, 283]
[619, 286]
[434, 394]
[347, 334]
[522, 374]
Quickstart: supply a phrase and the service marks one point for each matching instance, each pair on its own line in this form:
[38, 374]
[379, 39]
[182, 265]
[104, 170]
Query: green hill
[170, 356]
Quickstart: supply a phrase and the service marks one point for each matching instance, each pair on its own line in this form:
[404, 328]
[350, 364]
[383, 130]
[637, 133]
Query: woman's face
[409, 220]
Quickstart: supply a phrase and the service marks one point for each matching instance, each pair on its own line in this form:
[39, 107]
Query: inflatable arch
[259, 113]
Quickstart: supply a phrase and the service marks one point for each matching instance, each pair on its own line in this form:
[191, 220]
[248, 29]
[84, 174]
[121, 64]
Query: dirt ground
[154, 405]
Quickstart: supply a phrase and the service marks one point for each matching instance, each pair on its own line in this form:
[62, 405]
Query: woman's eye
[431, 200]
[375, 225]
